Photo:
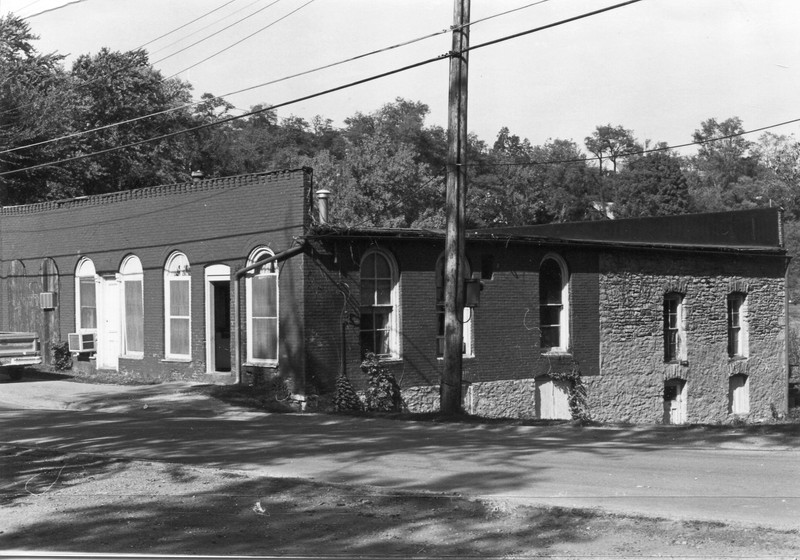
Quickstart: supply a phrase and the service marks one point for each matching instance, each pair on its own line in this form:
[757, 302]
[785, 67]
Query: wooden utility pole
[455, 208]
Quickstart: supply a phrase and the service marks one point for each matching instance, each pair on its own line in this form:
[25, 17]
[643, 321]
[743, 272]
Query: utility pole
[455, 208]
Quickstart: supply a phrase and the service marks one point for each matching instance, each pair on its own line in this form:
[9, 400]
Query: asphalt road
[673, 472]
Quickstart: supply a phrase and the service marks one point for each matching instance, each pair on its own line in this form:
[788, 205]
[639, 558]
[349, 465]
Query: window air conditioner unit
[47, 300]
[81, 342]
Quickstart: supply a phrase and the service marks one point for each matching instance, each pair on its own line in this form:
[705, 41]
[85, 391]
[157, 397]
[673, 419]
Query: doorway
[675, 401]
[108, 322]
[218, 319]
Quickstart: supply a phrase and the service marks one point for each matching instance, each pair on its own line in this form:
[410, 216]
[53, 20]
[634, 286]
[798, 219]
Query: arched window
[132, 279]
[379, 305]
[469, 313]
[177, 307]
[85, 297]
[262, 310]
[554, 304]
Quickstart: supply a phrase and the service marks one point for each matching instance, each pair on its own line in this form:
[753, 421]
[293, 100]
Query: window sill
[557, 354]
[176, 360]
[261, 364]
[463, 357]
[684, 363]
[132, 357]
[732, 359]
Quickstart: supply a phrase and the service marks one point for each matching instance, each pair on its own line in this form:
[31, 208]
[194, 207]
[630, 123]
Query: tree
[613, 143]
[721, 174]
[35, 100]
[652, 185]
[114, 87]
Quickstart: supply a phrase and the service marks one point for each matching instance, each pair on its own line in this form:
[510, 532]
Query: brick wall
[505, 325]
[215, 221]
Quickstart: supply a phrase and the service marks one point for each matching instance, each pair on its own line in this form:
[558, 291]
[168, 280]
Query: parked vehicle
[19, 349]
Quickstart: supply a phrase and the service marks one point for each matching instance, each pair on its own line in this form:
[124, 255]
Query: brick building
[679, 319]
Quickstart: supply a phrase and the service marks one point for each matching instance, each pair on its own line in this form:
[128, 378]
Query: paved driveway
[718, 475]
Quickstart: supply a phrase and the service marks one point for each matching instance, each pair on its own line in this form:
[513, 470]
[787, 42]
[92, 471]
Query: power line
[263, 84]
[243, 39]
[186, 24]
[115, 72]
[639, 152]
[237, 22]
[314, 95]
[233, 118]
[55, 9]
[204, 27]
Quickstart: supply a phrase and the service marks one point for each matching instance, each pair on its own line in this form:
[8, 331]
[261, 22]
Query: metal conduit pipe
[237, 321]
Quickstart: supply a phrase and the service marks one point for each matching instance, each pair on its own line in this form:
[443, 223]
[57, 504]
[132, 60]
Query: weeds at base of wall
[62, 358]
[383, 392]
[576, 395]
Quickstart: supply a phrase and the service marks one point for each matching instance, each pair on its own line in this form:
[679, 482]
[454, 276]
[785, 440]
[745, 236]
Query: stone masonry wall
[633, 370]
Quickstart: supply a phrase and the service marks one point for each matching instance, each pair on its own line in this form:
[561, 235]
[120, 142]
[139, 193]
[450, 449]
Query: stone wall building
[677, 319]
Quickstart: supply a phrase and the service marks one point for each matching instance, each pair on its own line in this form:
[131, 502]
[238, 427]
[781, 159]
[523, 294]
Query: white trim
[256, 255]
[130, 271]
[564, 316]
[85, 269]
[171, 276]
[395, 347]
[213, 273]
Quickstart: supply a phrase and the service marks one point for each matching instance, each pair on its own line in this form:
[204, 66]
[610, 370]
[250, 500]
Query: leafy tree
[114, 87]
[721, 174]
[612, 143]
[652, 185]
[35, 98]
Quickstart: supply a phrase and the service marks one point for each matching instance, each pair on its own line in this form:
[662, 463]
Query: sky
[658, 67]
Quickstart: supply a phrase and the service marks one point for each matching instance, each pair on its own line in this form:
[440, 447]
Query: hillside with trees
[385, 168]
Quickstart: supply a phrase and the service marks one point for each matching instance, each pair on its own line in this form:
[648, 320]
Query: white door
[554, 399]
[675, 401]
[108, 323]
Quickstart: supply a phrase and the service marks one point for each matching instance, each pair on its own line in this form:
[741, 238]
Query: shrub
[62, 359]
[383, 392]
[345, 398]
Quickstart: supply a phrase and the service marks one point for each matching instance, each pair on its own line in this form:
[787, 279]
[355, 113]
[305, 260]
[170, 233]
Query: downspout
[237, 321]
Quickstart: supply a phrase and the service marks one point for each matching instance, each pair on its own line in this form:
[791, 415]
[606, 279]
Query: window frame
[131, 271]
[468, 313]
[85, 273]
[738, 343]
[256, 255]
[393, 320]
[564, 342]
[176, 273]
[679, 329]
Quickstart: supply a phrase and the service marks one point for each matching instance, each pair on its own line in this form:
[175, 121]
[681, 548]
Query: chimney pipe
[322, 205]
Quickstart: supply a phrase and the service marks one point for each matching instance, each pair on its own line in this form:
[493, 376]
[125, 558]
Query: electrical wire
[638, 152]
[317, 94]
[264, 84]
[242, 40]
[186, 24]
[47, 11]
[140, 47]
[237, 22]
[213, 23]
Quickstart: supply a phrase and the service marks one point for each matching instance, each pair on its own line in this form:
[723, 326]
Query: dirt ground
[85, 503]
